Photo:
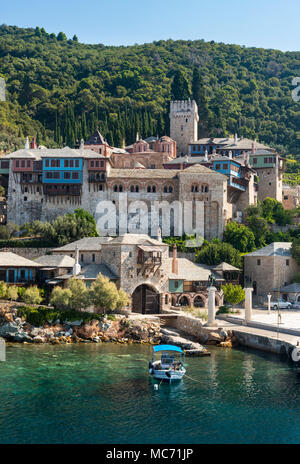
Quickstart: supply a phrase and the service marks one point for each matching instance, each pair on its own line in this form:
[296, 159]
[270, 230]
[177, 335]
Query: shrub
[32, 295]
[60, 297]
[12, 292]
[224, 310]
[3, 290]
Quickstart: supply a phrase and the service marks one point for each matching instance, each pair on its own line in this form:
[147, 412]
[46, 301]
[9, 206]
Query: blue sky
[254, 23]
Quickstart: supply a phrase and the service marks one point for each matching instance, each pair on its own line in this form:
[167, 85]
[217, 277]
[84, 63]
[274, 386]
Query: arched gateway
[145, 300]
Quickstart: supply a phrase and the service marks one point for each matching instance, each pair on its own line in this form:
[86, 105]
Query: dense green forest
[61, 90]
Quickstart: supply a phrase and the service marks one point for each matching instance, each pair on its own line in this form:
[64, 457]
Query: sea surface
[90, 393]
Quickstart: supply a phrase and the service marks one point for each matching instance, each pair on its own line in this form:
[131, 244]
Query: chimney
[174, 260]
[230, 154]
[76, 267]
[252, 148]
[244, 157]
[33, 143]
[27, 144]
[235, 139]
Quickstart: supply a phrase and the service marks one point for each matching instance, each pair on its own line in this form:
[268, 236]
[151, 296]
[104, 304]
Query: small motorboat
[167, 366]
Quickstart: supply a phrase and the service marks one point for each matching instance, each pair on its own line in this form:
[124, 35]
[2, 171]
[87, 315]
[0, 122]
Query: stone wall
[272, 271]
[29, 253]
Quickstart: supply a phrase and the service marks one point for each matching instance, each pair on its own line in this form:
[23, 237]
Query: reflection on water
[103, 394]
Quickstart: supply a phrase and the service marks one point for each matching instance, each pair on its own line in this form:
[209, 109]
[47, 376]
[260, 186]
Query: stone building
[45, 183]
[267, 164]
[163, 150]
[290, 196]
[183, 124]
[269, 268]
[142, 266]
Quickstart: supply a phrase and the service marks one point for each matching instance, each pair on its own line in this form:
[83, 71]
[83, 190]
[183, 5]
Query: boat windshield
[167, 359]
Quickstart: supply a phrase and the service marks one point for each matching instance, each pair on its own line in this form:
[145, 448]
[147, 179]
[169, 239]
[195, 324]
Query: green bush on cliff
[39, 315]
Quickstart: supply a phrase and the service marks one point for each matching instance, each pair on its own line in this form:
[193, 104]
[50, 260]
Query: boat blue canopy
[167, 348]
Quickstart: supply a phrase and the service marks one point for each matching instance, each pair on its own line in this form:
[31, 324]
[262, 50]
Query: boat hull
[167, 375]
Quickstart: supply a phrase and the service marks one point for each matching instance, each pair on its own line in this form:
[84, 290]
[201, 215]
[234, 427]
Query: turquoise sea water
[91, 393]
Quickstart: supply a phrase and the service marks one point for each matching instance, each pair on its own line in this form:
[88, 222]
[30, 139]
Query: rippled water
[92, 393]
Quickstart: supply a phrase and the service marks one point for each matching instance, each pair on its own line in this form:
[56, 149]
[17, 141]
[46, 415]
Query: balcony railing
[149, 260]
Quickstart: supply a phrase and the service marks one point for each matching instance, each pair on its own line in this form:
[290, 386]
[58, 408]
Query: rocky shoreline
[118, 329]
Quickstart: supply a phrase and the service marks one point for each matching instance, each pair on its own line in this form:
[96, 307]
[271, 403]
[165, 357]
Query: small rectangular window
[218, 166]
[176, 284]
[93, 257]
[258, 262]
[17, 164]
[76, 163]
[287, 262]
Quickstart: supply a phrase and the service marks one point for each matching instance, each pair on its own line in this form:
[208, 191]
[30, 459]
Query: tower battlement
[181, 106]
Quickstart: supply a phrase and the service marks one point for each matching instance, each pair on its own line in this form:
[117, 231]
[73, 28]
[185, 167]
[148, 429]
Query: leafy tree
[217, 252]
[123, 299]
[75, 38]
[233, 294]
[60, 297]
[79, 298]
[61, 36]
[104, 294]
[32, 295]
[260, 229]
[239, 236]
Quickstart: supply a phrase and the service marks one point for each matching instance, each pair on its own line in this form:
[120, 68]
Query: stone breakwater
[119, 330]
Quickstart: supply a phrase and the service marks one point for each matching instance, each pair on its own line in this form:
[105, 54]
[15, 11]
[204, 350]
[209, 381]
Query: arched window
[137, 189]
[132, 188]
[153, 188]
[115, 188]
[120, 188]
[149, 189]
[194, 188]
[165, 189]
[170, 189]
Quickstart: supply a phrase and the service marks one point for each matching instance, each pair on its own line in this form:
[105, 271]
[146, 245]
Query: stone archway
[199, 301]
[145, 300]
[184, 300]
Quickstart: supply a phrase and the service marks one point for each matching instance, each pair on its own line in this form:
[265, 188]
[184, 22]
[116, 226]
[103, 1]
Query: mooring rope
[195, 380]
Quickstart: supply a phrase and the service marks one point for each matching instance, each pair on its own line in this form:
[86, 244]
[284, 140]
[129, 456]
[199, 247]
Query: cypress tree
[200, 99]
[180, 87]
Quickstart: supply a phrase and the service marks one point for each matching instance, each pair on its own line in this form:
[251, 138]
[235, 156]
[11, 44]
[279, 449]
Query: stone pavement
[290, 319]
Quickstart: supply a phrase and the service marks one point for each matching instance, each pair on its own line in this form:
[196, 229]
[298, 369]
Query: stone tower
[183, 124]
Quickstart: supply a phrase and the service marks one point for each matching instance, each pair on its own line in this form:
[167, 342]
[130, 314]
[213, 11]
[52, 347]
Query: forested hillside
[60, 90]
